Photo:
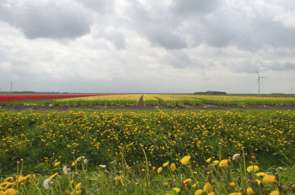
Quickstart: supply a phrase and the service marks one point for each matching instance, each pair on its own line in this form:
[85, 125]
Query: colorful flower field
[147, 152]
[151, 100]
[41, 96]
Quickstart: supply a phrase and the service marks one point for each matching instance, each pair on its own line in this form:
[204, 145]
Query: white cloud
[288, 19]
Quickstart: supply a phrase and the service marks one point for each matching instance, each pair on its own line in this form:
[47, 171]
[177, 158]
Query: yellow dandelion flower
[249, 191]
[119, 179]
[215, 162]
[269, 179]
[53, 176]
[78, 187]
[224, 163]
[21, 179]
[258, 182]
[6, 184]
[9, 179]
[232, 184]
[275, 192]
[198, 192]
[208, 160]
[187, 181]
[261, 174]
[166, 164]
[10, 191]
[159, 170]
[235, 193]
[56, 163]
[211, 193]
[185, 160]
[252, 168]
[208, 187]
[176, 189]
[74, 163]
[173, 167]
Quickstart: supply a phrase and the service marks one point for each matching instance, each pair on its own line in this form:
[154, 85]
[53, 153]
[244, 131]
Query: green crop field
[147, 152]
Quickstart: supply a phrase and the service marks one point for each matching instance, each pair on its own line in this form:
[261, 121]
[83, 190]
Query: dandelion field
[147, 152]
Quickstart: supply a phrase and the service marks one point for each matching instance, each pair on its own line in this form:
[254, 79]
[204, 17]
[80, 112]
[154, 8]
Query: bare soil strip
[147, 107]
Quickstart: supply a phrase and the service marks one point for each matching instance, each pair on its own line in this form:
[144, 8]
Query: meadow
[147, 152]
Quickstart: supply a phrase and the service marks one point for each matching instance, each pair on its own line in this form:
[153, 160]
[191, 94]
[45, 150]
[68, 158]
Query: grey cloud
[112, 35]
[272, 33]
[169, 40]
[161, 28]
[193, 7]
[211, 31]
[47, 19]
[101, 6]
[118, 39]
[264, 33]
[179, 59]
[246, 67]
[282, 66]
[190, 23]
[251, 67]
[3, 55]
[225, 27]
[185, 24]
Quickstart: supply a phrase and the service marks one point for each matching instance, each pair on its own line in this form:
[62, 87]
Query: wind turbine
[11, 86]
[259, 81]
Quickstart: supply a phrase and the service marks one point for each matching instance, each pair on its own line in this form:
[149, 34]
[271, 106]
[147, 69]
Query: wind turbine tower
[259, 81]
[11, 86]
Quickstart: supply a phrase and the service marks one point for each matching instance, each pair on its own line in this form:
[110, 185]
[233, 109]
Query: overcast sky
[147, 45]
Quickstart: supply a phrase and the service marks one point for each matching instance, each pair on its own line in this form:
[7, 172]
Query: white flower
[65, 169]
[46, 183]
[281, 169]
[80, 158]
[85, 161]
[102, 166]
[236, 156]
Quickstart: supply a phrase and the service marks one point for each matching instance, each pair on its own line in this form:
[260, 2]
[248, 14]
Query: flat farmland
[146, 144]
[149, 101]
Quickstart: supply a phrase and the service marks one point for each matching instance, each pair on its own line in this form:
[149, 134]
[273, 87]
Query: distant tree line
[211, 93]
